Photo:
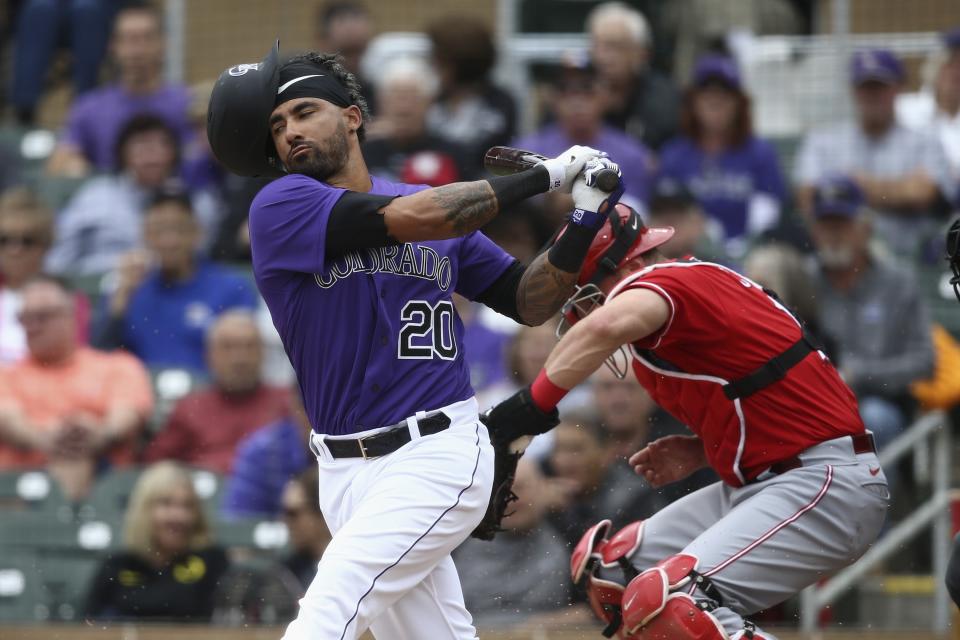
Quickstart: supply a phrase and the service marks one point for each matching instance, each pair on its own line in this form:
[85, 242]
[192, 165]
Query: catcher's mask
[622, 239]
[953, 255]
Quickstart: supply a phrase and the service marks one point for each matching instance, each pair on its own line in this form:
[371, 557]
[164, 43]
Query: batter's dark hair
[333, 64]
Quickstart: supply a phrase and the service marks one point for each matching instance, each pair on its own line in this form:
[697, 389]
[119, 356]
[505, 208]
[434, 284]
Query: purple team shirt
[373, 335]
[96, 118]
[725, 183]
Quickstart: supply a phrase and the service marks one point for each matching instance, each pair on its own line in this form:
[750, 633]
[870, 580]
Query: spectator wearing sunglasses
[26, 231]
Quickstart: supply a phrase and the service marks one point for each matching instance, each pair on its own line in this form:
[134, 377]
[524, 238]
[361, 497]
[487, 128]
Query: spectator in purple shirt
[89, 137]
[735, 175]
[578, 105]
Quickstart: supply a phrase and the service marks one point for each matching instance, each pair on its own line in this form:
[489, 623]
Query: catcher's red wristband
[545, 394]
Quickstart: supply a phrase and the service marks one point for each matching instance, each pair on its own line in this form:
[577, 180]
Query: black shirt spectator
[128, 587]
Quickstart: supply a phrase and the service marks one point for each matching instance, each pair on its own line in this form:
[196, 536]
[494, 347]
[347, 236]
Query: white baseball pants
[394, 521]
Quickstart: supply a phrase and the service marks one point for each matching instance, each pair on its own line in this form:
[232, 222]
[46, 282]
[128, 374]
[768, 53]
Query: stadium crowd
[142, 270]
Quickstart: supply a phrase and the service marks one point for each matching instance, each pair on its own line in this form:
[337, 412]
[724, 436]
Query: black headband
[305, 80]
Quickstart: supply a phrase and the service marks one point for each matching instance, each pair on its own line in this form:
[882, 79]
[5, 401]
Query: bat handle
[607, 180]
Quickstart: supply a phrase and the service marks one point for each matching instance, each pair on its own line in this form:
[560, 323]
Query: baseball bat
[501, 161]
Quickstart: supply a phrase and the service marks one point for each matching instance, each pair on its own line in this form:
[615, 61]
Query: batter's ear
[353, 118]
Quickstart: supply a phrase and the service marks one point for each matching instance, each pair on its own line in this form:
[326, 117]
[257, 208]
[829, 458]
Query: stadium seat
[53, 532]
[110, 494]
[251, 534]
[169, 385]
[20, 597]
[31, 489]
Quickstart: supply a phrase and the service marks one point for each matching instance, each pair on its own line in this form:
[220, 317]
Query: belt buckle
[363, 449]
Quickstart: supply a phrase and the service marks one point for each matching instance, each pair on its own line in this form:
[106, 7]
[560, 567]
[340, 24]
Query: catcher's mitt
[501, 495]
[511, 420]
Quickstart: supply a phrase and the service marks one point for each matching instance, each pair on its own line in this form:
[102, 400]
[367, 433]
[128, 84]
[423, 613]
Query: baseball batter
[802, 493]
[358, 274]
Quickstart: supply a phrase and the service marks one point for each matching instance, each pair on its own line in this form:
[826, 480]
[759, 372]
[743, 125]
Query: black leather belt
[385, 442]
[862, 443]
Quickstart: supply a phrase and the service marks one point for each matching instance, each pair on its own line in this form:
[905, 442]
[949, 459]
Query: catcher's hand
[518, 416]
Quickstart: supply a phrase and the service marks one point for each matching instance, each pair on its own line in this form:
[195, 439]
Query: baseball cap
[716, 68]
[838, 196]
[876, 65]
[951, 38]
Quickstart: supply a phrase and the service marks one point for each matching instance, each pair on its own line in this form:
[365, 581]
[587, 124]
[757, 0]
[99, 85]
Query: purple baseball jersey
[97, 117]
[373, 335]
[724, 184]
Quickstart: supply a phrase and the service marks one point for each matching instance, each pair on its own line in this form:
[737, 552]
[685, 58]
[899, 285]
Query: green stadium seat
[31, 489]
[64, 581]
[251, 534]
[20, 591]
[54, 532]
[56, 191]
[111, 493]
[169, 385]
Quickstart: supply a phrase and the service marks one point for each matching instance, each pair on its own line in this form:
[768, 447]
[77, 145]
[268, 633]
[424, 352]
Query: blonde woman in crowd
[169, 568]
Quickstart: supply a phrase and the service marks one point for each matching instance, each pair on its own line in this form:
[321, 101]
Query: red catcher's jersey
[722, 327]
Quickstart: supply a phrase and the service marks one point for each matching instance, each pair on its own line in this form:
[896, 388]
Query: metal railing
[935, 511]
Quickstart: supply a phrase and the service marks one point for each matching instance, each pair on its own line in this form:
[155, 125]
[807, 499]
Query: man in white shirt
[903, 173]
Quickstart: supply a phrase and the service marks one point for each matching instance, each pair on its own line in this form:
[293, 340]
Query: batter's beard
[322, 162]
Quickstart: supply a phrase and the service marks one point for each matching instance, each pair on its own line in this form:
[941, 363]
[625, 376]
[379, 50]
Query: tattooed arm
[542, 290]
[444, 212]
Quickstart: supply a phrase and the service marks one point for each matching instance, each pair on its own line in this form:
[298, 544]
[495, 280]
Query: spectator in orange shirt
[206, 426]
[65, 405]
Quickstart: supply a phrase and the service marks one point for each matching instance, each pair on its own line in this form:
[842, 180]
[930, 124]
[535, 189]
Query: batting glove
[565, 167]
[591, 204]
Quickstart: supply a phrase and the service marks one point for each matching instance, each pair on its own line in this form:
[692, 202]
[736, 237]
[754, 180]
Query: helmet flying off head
[240, 106]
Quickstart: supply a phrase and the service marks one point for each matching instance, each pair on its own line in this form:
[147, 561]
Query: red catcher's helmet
[622, 238]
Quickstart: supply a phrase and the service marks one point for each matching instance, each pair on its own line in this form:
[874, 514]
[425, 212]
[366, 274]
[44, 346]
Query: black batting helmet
[237, 118]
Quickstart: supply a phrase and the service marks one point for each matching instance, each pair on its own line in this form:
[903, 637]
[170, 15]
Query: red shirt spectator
[206, 426]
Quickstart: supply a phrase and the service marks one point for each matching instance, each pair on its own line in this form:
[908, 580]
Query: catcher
[802, 493]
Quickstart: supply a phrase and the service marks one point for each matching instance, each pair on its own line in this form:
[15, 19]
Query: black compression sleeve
[570, 249]
[501, 296]
[355, 222]
[514, 188]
